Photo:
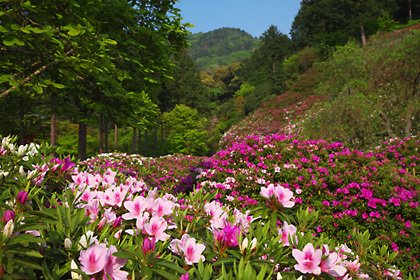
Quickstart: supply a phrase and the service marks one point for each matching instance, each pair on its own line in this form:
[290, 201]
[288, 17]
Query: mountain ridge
[221, 46]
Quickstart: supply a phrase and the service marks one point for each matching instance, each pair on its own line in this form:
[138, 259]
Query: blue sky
[252, 16]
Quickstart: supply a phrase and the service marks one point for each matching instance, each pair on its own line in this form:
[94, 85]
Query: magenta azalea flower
[93, 259]
[8, 215]
[228, 236]
[308, 260]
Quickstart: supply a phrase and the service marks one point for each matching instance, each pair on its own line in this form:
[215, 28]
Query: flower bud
[22, 197]
[21, 150]
[74, 275]
[148, 245]
[67, 243]
[117, 222]
[8, 228]
[244, 245]
[253, 244]
[8, 215]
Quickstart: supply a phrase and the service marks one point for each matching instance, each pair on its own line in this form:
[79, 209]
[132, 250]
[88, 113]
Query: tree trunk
[145, 146]
[115, 137]
[106, 148]
[363, 35]
[53, 124]
[410, 11]
[82, 141]
[387, 124]
[139, 141]
[155, 140]
[22, 127]
[133, 141]
[101, 133]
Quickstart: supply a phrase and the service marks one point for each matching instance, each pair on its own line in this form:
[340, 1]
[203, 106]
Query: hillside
[222, 46]
[354, 102]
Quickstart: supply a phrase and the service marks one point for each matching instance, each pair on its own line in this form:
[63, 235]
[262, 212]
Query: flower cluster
[101, 219]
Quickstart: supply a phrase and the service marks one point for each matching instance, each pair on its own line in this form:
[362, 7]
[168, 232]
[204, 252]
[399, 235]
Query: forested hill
[222, 46]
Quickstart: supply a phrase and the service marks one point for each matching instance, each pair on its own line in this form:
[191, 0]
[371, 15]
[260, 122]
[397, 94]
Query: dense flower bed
[265, 208]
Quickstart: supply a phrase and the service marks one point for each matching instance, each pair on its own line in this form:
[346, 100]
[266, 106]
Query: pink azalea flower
[217, 214]
[308, 260]
[331, 264]
[113, 266]
[114, 196]
[283, 195]
[93, 259]
[188, 248]
[287, 232]
[135, 208]
[156, 227]
[109, 177]
[243, 220]
[87, 195]
[142, 220]
[268, 191]
[163, 207]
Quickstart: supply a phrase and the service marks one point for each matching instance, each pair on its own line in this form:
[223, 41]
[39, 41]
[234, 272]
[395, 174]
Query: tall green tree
[185, 87]
[87, 55]
[333, 22]
[265, 67]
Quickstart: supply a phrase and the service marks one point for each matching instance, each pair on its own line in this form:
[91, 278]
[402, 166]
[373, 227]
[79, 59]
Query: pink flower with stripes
[308, 260]
[188, 248]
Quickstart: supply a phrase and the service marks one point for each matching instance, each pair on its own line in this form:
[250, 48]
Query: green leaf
[110, 41]
[56, 85]
[74, 32]
[3, 29]
[165, 274]
[170, 266]
[26, 263]
[10, 41]
[125, 255]
[38, 89]
[36, 30]
[5, 78]
[26, 252]
[15, 27]
[24, 238]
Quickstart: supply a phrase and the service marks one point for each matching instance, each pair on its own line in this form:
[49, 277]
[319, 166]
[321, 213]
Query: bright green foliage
[245, 90]
[372, 92]
[299, 62]
[187, 132]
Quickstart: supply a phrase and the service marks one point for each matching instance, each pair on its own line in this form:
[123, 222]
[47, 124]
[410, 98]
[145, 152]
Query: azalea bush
[101, 220]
